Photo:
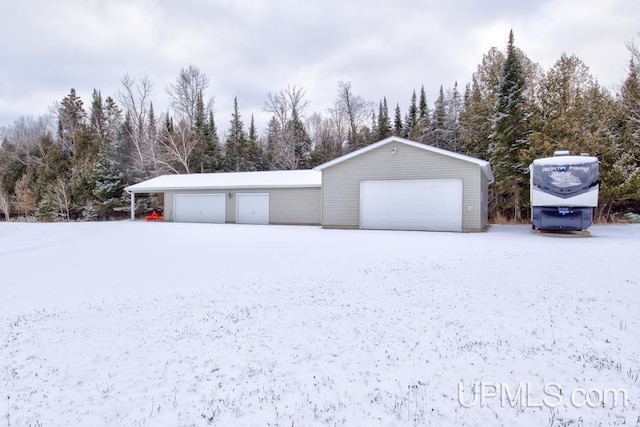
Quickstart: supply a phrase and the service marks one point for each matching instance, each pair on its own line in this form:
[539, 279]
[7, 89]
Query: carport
[271, 197]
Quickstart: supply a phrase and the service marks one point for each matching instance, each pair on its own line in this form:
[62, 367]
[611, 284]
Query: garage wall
[286, 205]
[484, 193]
[341, 182]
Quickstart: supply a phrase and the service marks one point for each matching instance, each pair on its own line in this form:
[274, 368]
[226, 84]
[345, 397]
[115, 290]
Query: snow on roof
[213, 181]
[565, 160]
[484, 165]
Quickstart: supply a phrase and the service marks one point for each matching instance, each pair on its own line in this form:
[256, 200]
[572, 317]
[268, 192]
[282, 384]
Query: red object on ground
[155, 216]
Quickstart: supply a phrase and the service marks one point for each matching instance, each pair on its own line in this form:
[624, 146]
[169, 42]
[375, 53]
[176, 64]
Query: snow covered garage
[397, 184]
[275, 197]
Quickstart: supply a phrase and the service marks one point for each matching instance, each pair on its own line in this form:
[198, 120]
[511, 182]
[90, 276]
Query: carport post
[133, 206]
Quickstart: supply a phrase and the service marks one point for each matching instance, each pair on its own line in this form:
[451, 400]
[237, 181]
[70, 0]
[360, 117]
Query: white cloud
[594, 31]
[252, 47]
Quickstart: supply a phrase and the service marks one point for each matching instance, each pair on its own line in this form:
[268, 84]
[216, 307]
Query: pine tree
[81, 145]
[110, 182]
[235, 145]
[54, 166]
[479, 103]
[255, 155]
[200, 131]
[71, 121]
[424, 122]
[383, 128]
[212, 159]
[274, 137]
[302, 143]
[97, 119]
[509, 139]
[411, 119]
[475, 123]
[12, 166]
[630, 102]
[200, 116]
[397, 122]
[369, 133]
[112, 121]
[614, 137]
[151, 138]
[438, 122]
[452, 121]
[423, 108]
[46, 211]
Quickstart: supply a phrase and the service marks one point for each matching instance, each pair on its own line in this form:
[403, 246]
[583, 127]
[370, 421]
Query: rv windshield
[565, 180]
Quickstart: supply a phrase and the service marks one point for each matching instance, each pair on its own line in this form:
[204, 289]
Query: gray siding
[341, 182]
[286, 205]
[484, 193]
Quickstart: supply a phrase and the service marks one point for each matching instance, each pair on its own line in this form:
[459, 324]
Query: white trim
[133, 205]
[484, 165]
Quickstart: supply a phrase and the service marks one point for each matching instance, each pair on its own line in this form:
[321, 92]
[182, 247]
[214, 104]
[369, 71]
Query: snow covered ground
[160, 324]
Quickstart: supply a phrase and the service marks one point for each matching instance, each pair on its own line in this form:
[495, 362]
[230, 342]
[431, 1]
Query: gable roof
[484, 165]
[224, 180]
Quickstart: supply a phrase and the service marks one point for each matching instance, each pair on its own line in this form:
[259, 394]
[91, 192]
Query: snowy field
[160, 324]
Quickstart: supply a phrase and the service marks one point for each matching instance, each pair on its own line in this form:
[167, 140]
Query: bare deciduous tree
[25, 199]
[357, 111]
[27, 135]
[177, 147]
[339, 124]
[135, 97]
[634, 49]
[286, 104]
[326, 138]
[4, 204]
[282, 155]
[184, 92]
[287, 107]
[62, 197]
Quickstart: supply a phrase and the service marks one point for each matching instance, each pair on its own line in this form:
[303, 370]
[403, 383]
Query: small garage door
[199, 207]
[252, 208]
[430, 204]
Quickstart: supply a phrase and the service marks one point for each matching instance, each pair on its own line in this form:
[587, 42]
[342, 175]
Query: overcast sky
[250, 47]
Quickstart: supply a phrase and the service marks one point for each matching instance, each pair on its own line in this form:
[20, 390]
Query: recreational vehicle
[564, 191]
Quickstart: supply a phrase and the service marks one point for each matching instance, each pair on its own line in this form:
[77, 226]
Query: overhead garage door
[199, 207]
[430, 204]
[252, 208]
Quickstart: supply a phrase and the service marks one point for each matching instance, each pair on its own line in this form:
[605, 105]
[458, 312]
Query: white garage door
[199, 207]
[252, 208]
[429, 204]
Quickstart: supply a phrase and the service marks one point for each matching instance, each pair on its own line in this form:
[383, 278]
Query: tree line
[76, 161]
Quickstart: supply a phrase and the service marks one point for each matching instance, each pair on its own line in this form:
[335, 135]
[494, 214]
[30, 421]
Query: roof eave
[486, 169]
[233, 187]
[482, 163]
[356, 153]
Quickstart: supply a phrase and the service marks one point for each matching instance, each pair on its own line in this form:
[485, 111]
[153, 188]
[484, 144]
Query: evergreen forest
[74, 162]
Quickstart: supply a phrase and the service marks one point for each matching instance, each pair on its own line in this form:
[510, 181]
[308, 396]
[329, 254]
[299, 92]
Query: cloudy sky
[250, 47]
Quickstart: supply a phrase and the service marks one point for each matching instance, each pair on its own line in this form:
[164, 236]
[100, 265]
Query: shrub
[631, 218]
